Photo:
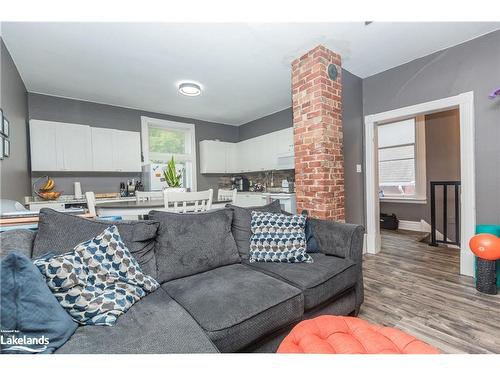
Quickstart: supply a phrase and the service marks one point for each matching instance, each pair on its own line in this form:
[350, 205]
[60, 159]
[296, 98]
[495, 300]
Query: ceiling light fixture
[190, 89]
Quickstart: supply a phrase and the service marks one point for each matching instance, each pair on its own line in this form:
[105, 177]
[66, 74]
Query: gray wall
[51, 108]
[352, 120]
[267, 124]
[471, 66]
[442, 143]
[15, 181]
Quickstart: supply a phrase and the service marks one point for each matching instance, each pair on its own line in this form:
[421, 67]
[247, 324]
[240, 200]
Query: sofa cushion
[241, 224]
[98, 281]
[20, 240]
[237, 305]
[191, 243]
[156, 324]
[278, 238]
[28, 309]
[59, 233]
[324, 279]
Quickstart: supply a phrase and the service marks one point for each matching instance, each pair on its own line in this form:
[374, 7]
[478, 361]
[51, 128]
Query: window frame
[172, 125]
[420, 166]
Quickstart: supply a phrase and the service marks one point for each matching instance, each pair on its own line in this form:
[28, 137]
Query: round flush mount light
[189, 89]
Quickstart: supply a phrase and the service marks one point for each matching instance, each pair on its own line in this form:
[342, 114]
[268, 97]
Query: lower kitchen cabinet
[250, 199]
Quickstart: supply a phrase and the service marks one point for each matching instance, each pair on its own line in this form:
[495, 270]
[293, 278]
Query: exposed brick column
[317, 121]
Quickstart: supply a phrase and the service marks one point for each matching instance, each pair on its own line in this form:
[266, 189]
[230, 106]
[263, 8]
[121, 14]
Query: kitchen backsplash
[267, 178]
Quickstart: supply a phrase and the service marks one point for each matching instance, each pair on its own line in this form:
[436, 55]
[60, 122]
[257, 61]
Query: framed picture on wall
[5, 126]
[1, 148]
[6, 147]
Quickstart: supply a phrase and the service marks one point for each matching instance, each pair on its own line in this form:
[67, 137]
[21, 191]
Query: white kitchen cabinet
[67, 147]
[59, 146]
[102, 149]
[250, 199]
[44, 152]
[232, 157]
[213, 157]
[76, 144]
[263, 153]
[126, 151]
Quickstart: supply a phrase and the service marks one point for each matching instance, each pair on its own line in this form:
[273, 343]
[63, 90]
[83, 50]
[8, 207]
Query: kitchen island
[133, 209]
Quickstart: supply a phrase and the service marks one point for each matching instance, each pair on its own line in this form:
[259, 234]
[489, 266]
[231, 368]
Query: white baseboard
[411, 225]
[419, 226]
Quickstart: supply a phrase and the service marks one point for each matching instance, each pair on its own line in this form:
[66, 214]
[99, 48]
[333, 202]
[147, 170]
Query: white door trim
[465, 103]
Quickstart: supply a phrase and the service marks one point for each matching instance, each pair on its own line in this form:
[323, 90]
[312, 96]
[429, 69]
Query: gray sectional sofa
[236, 307]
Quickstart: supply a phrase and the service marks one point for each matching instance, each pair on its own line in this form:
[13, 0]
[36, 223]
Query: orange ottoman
[329, 334]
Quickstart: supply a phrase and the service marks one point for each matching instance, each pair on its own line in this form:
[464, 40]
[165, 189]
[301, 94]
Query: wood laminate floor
[417, 288]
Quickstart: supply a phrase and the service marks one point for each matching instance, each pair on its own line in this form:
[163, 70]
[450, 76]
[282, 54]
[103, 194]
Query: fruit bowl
[45, 191]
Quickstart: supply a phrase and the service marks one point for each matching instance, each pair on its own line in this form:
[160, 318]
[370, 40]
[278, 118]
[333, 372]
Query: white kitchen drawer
[37, 206]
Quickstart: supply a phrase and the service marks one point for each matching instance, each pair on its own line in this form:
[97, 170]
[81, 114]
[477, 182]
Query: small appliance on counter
[240, 183]
[78, 190]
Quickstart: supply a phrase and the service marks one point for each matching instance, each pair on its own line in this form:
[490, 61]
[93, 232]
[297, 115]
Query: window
[401, 160]
[162, 140]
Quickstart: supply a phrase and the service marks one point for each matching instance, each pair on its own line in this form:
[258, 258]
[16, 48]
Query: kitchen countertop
[153, 203]
[264, 192]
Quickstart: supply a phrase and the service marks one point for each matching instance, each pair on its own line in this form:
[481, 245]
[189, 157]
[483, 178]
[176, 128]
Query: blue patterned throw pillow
[98, 281]
[278, 238]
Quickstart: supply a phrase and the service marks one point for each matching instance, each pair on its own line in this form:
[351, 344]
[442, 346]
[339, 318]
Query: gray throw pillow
[59, 233]
[192, 243]
[241, 224]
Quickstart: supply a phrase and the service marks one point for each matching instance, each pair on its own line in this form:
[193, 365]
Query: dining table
[134, 209]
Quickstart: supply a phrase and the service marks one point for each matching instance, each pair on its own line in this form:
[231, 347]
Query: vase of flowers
[172, 177]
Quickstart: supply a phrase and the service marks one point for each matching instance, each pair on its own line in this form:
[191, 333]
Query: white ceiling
[244, 69]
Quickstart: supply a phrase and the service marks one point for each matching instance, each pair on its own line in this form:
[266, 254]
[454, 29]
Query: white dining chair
[148, 195]
[182, 202]
[227, 195]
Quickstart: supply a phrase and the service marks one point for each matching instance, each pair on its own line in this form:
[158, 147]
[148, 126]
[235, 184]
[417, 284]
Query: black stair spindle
[445, 240]
[445, 212]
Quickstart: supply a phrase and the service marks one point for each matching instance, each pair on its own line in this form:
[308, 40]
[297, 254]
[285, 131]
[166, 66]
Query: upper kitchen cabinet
[116, 150]
[59, 146]
[266, 152]
[217, 157]
[67, 147]
[126, 151]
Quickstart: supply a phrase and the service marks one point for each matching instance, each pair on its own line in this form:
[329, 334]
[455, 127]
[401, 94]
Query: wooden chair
[148, 195]
[183, 202]
[227, 195]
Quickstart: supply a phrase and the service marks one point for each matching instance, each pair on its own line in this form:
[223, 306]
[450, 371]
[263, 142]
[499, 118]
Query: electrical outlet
[358, 168]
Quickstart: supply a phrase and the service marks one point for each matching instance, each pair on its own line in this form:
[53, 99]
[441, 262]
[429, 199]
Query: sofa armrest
[339, 239]
[20, 240]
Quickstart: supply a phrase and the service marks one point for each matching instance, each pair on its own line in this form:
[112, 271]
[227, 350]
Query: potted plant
[172, 178]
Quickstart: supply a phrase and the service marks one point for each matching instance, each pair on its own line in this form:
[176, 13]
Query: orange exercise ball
[485, 246]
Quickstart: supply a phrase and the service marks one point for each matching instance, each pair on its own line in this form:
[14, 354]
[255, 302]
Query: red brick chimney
[317, 121]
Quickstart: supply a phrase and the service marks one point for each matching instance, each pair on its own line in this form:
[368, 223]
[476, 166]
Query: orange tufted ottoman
[348, 335]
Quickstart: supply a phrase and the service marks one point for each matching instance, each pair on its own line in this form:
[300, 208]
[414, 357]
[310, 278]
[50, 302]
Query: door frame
[465, 103]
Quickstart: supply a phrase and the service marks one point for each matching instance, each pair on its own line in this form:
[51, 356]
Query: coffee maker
[240, 183]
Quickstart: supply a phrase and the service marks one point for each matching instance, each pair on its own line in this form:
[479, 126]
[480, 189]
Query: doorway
[463, 103]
